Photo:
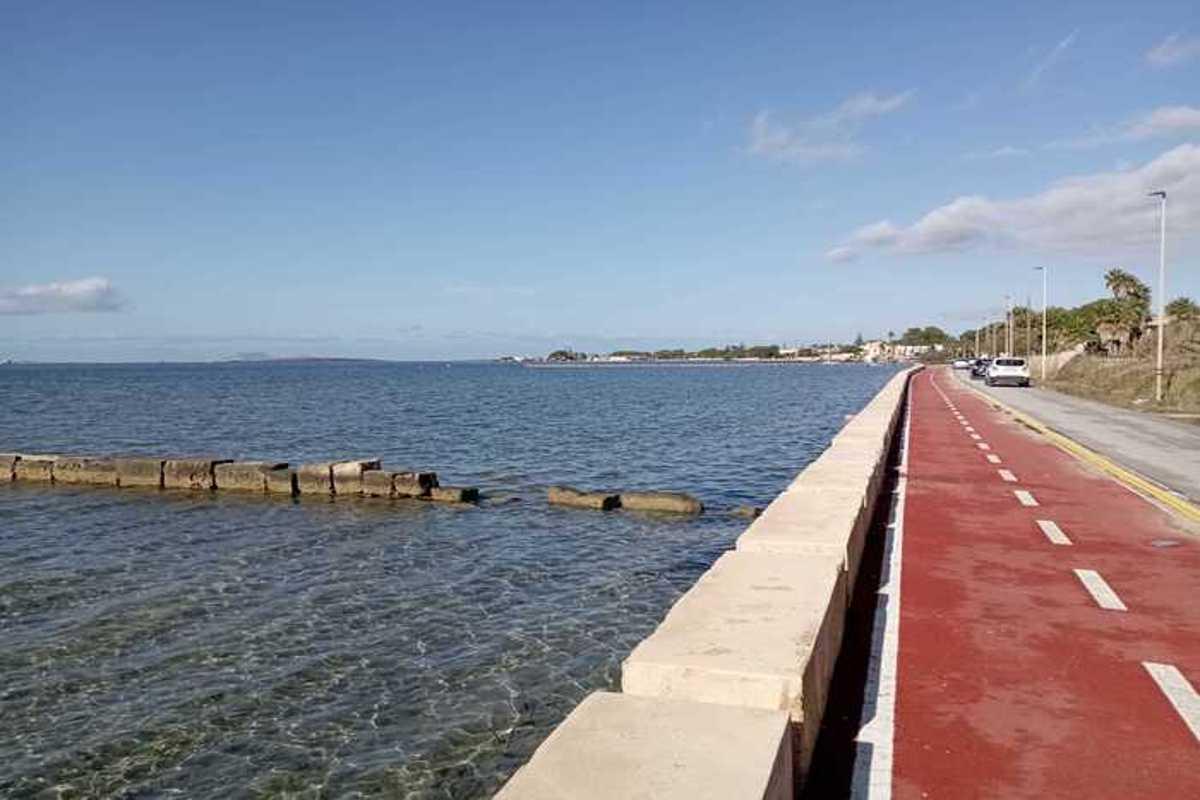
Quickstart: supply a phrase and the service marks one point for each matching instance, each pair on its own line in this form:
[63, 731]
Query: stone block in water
[143, 472]
[281, 480]
[8, 465]
[568, 496]
[454, 494]
[190, 473]
[411, 483]
[669, 502]
[315, 478]
[34, 468]
[348, 475]
[85, 470]
[245, 476]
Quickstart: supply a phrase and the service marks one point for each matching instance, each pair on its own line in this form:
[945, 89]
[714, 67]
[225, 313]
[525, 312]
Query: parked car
[962, 363]
[1010, 371]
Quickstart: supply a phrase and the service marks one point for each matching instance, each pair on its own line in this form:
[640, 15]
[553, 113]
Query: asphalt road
[1164, 450]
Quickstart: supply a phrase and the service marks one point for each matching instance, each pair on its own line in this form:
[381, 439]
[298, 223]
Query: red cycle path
[1012, 682]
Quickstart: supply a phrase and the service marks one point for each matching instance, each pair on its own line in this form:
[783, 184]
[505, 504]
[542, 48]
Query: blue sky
[396, 180]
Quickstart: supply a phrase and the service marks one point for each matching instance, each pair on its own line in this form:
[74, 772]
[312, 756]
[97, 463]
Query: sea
[219, 645]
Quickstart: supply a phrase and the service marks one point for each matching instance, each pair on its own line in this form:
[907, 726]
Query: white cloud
[826, 137]
[1175, 49]
[842, 255]
[1007, 151]
[1050, 59]
[1161, 122]
[87, 294]
[1104, 213]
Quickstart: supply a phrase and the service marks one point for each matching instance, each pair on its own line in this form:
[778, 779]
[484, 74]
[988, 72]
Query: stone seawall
[356, 478]
[726, 697]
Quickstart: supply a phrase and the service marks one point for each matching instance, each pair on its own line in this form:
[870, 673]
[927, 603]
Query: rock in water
[454, 494]
[670, 502]
[749, 512]
[568, 496]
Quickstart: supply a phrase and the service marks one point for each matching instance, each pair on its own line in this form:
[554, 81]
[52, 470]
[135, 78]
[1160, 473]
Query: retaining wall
[759, 633]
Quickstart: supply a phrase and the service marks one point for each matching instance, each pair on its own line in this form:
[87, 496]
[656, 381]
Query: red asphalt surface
[1012, 681]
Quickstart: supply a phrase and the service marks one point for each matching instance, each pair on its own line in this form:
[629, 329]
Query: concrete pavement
[1164, 450]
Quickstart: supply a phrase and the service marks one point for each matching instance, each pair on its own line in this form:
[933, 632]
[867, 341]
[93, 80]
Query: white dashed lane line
[1099, 589]
[1179, 692]
[983, 446]
[1025, 498]
[1053, 532]
[993, 458]
[976, 436]
[1006, 475]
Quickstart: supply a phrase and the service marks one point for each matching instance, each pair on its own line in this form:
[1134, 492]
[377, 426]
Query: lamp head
[1161, 194]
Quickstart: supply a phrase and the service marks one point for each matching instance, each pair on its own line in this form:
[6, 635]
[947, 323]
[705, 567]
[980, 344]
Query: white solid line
[1053, 532]
[983, 446]
[1025, 497]
[874, 745]
[1099, 589]
[1008, 476]
[1179, 692]
[992, 457]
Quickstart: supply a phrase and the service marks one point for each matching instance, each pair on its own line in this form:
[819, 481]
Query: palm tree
[1130, 308]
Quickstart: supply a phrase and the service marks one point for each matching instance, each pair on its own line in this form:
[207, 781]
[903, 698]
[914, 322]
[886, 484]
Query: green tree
[1183, 309]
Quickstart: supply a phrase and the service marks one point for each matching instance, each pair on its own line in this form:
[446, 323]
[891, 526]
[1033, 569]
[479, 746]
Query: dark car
[980, 367]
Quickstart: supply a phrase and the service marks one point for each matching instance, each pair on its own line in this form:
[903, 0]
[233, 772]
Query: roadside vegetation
[1116, 338]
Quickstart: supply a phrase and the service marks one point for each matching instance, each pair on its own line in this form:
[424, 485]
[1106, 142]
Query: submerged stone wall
[356, 478]
[748, 652]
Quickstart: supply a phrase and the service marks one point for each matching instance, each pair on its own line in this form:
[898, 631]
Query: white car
[962, 363]
[1010, 371]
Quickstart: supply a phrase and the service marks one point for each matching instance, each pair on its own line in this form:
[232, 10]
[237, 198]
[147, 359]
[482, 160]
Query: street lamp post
[1045, 282]
[1162, 291]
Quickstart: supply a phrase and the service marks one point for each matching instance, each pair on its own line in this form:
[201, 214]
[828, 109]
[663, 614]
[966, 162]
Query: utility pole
[1162, 292]
[1045, 283]
[1008, 325]
[1028, 326]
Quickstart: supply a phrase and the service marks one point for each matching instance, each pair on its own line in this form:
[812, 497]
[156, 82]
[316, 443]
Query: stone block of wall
[454, 494]
[85, 470]
[758, 630]
[190, 473]
[281, 480]
[411, 483]
[143, 472]
[245, 476]
[620, 746]
[377, 483]
[315, 478]
[348, 475]
[38, 468]
[568, 496]
[669, 502]
[8, 466]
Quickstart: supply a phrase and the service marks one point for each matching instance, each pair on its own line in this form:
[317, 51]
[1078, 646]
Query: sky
[453, 180]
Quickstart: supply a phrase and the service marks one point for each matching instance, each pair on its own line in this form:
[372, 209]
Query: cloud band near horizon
[60, 297]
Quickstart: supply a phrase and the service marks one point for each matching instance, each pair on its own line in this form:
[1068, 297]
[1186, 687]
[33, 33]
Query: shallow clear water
[159, 643]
